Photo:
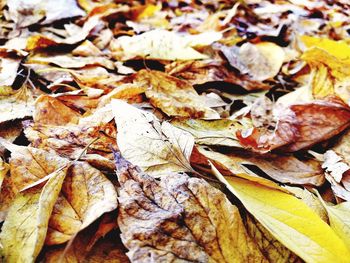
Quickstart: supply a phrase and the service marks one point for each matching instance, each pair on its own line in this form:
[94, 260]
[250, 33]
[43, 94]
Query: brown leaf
[173, 96]
[71, 140]
[201, 72]
[299, 127]
[51, 111]
[179, 218]
[109, 249]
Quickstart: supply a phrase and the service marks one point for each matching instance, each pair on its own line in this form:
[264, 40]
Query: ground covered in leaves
[174, 131]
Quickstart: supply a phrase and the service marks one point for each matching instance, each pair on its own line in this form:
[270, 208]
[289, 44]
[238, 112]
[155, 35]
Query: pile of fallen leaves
[174, 131]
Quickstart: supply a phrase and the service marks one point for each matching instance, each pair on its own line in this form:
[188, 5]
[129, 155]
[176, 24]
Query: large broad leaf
[173, 96]
[289, 220]
[155, 147]
[24, 231]
[162, 44]
[179, 219]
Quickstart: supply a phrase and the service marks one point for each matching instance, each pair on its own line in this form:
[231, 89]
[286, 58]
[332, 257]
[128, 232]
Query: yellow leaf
[86, 195]
[338, 49]
[23, 233]
[289, 220]
[339, 219]
[148, 11]
[174, 96]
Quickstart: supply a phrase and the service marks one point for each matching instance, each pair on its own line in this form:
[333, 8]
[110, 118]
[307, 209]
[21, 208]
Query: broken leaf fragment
[179, 219]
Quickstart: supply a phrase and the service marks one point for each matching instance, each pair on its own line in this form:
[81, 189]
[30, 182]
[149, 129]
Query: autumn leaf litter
[174, 131]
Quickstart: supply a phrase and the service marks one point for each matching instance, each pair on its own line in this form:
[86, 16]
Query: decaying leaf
[168, 148]
[289, 220]
[179, 219]
[173, 96]
[300, 126]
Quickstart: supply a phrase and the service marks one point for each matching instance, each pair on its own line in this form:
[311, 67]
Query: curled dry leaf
[179, 219]
[86, 195]
[173, 96]
[162, 44]
[284, 169]
[168, 148]
[299, 127]
[289, 220]
[23, 233]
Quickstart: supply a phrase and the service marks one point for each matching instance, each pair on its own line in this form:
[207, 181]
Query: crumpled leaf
[173, 96]
[289, 220]
[28, 164]
[9, 131]
[71, 140]
[284, 169]
[213, 132]
[17, 105]
[4, 167]
[339, 216]
[299, 126]
[336, 163]
[204, 71]
[86, 195]
[261, 61]
[167, 148]
[25, 13]
[23, 233]
[166, 221]
[162, 44]
[51, 111]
